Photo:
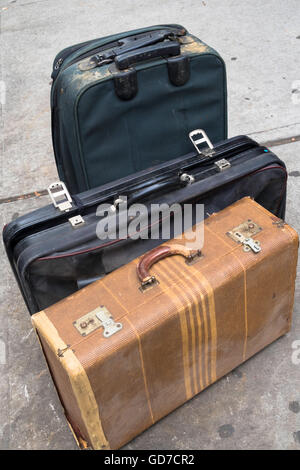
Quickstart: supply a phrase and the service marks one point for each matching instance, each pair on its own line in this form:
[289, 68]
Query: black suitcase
[56, 250]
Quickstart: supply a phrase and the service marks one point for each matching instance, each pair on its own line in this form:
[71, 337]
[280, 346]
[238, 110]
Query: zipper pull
[186, 178]
[94, 62]
[58, 63]
[56, 68]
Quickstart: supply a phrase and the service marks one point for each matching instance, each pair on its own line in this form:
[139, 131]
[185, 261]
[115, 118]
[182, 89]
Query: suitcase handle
[157, 254]
[162, 49]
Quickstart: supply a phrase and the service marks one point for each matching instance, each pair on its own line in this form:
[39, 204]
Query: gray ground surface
[257, 405]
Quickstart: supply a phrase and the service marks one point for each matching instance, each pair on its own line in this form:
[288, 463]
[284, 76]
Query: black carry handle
[162, 49]
[131, 43]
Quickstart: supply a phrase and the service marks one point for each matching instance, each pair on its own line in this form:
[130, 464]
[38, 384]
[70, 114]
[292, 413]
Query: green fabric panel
[101, 138]
[121, 137]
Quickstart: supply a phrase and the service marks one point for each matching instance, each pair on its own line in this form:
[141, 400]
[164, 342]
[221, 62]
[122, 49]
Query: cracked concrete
[257, 406]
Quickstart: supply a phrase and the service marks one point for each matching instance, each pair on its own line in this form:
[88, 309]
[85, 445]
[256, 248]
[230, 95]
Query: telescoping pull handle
[161, 49]
[157, 254]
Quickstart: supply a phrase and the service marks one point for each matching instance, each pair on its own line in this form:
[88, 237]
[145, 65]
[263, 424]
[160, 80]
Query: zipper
[64, 54]
[58, 62]
[28, 257]
[113, 242]
[142, 186]
[243, 144]
[211, 167]
[193, 161]
[176, 181]
[178, 187]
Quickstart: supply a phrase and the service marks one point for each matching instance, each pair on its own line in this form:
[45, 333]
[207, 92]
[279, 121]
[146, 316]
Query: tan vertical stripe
[185, 346]
[79, 381]
[199, 329]
[245, 292]
[213, 323]
[205, 322]
[192, 327]
[179, 304]
[143, 367]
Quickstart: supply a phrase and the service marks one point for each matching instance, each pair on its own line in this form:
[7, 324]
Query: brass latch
[222, 164]
[250, 244]
[243, 234]
[98, 318]
[76, 221]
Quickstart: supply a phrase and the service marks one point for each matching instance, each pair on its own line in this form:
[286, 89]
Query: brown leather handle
[159, 253]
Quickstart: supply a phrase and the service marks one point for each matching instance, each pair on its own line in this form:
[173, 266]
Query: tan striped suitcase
[122, 356]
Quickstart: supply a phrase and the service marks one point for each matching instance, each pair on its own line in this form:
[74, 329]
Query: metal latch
[250, 244]
[98, 318]
[222, 164]
[203, 138]
[60, 196]
[117, 202]
[188, 179]
[243, 234]
[107, 322]
[76, 221]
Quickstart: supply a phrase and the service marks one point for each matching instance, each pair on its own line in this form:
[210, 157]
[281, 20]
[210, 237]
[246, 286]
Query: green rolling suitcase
[127, 102]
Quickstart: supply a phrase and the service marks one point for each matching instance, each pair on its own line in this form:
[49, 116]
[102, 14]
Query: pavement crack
[282, 141]
[274, 128]
[21, 197]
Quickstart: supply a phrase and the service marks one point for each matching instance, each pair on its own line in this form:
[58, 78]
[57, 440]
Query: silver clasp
[243, 234]
[98, 318]
[186, 178]
[222, 164]
[76, 221]
[62, 200]
[117, 202]
[250, 244]
[107, 322]
[203, 138]
[60, 196]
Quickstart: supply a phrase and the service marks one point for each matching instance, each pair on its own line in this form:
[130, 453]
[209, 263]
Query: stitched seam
[143, 368]
[245, 294]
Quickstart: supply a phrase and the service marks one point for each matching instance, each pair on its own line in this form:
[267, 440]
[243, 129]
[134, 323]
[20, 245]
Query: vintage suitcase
[126, 102]
[55, 251]
[123, 356]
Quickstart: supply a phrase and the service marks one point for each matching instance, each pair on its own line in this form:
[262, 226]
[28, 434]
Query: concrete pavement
[257, 405]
